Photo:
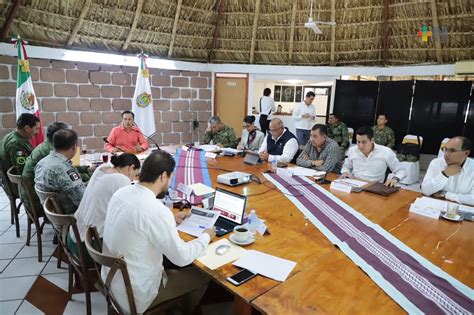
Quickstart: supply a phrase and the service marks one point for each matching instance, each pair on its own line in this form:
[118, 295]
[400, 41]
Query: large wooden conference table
[324, 279]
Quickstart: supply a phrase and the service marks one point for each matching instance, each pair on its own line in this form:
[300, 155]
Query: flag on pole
[26, 101]
[142, 104]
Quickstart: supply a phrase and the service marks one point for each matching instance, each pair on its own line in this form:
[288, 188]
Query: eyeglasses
[450, 151]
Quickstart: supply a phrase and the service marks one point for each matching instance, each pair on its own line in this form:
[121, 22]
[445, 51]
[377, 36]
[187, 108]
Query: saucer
[457, 218]
[249, 241]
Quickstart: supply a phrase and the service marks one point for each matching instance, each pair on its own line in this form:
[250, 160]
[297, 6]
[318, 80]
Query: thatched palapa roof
[368, 32]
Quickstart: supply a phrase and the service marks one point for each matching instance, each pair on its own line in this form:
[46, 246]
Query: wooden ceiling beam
[292, 32]
[332, 57]
[434, 17]
[76, 28]
[134, 24]
[175, 27]
[386, 16]
[9, 21]
[254, 30]
[220, 7]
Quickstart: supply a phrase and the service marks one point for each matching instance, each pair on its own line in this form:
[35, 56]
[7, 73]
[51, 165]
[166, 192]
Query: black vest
[276, 147]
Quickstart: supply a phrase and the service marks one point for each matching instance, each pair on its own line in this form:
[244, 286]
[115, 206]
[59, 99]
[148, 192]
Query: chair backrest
[25, 183]
[6, 183]
[43, 195]
[350, 134]
[115, 264]
[412, 139]
[62, 223]
[441, 147]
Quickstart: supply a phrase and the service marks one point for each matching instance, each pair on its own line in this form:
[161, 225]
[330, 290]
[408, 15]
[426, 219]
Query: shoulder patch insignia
[74, 175]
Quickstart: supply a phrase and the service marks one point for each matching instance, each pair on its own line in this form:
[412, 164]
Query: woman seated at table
[252, 138]
[105, 181]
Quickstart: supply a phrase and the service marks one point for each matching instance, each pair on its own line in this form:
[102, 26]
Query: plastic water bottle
[274, 165]
[253, 221]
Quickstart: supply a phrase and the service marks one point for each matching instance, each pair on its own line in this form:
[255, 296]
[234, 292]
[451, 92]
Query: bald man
[279, 144]
[452, 176]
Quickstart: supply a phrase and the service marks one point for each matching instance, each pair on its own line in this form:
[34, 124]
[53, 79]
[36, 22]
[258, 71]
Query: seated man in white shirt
[369, 161]
[141, 229]
[452, 176]
[279, 144]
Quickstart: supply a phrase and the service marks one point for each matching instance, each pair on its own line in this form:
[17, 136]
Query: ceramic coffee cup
[242, 234]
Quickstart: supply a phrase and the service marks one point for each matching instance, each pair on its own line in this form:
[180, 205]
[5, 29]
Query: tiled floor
[31, 287]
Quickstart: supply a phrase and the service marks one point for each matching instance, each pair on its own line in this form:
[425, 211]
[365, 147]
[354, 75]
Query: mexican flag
[142, 103]
[26, 101]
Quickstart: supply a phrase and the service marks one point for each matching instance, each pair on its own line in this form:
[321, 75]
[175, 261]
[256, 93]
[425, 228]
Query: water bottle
[274, 165]
[253, 221]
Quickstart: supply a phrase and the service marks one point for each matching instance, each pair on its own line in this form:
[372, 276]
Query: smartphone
[242, 276]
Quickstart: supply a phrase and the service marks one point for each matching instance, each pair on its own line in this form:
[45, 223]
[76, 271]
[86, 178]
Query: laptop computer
[231, 208]
[252, 158]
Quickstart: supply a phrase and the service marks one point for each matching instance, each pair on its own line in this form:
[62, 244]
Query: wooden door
[230, 101]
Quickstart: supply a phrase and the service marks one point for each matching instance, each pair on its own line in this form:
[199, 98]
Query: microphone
[107, 141]
[149, 137]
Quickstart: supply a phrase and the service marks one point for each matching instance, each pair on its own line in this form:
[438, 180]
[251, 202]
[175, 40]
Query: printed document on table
[303, 171]
[351, 182]
[200, 189]
[266, 265]
[232, 150]
[199, 220]
[209, 147]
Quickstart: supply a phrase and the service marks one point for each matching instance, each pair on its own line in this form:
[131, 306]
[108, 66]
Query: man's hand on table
[180, 216]
[211, 232]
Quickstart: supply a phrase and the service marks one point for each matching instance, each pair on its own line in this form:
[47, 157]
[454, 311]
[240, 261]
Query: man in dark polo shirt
[279, 144]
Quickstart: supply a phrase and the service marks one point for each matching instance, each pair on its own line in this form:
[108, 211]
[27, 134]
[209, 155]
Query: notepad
[212, 261]
[269, 266]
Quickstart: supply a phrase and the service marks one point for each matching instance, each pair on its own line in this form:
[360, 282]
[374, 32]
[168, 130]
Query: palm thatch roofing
[368, 32]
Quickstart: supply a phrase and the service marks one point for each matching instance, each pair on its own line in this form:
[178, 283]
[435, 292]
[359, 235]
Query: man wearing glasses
[279, 144]
[452, 176]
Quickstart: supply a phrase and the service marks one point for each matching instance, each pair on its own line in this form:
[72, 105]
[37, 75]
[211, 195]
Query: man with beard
[143, 230]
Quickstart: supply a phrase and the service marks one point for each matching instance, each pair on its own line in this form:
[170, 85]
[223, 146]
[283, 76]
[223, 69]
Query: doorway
[230, 99]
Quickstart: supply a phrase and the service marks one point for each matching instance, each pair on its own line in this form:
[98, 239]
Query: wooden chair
[62, 224]
[13, 207]
[32, 212]
[115, 264]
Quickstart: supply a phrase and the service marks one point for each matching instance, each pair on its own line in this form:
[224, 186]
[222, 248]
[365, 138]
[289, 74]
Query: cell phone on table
[242, 276]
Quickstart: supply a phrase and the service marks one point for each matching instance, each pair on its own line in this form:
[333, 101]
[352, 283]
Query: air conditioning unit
[464, 68]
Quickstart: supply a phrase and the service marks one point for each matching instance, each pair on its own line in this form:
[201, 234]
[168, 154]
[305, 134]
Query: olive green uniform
[340, 134]
[384, 136]
[225, 136]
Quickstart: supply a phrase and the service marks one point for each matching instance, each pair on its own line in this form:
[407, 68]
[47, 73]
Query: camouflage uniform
[55, 173]
[13, 152]
[384, 136]
[225, 136]
[37, 155]
[340, 134]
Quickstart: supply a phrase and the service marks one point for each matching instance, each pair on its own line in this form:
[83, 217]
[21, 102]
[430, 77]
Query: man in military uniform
[55, 173]
[337, 130]
[15, 147]
[383, 135]
[219, 134]
[37, 155]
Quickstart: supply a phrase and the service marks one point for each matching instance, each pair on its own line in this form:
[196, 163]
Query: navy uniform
[55, 173]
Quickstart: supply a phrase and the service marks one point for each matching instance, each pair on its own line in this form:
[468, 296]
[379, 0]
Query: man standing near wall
[304, 114]
[266, 107]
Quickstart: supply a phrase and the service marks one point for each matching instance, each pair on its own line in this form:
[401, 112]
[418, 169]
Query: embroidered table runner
[412, 281]
[190, 168]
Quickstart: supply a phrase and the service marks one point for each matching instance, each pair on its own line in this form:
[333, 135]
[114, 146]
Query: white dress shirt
[139, 227]
[372, 168]
[298, 112]
[458, 188]
[93, 206]
[268, 106]
[289, 150]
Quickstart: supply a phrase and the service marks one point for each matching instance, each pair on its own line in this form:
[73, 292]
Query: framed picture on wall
[298, 94]
[287, 93]
[277, 93]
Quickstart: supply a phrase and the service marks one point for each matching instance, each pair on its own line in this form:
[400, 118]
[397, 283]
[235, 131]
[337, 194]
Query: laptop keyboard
[224, 224]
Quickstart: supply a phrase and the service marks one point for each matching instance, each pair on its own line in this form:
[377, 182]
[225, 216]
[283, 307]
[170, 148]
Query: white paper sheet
[232, 150]
[199, 220]
[440, 205]
[209, 147]
[212, 261]
[303, 171]
[266, 265]
[351, 182]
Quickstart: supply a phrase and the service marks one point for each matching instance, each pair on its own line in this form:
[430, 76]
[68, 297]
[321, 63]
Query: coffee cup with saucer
[242, 236]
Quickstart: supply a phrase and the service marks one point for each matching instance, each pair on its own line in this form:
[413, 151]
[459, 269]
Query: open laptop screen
[230, 206]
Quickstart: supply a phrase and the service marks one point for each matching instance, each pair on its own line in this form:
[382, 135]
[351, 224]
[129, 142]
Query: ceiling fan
[314, 24]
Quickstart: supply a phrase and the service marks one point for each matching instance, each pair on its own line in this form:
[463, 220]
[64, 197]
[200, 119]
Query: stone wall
[90, 97]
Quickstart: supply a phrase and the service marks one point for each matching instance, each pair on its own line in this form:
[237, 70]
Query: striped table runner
[412, 281]
[190, 168]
